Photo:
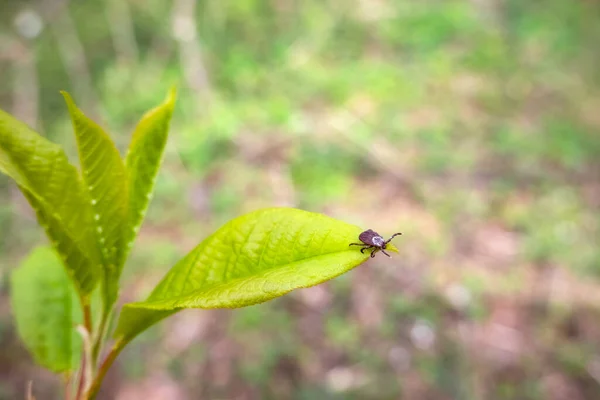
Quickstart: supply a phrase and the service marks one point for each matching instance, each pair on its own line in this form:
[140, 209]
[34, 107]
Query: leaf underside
[251, 259]
[46, 310]
[53, 188]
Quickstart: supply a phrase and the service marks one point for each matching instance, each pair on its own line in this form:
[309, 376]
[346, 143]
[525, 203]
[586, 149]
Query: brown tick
[372, 240]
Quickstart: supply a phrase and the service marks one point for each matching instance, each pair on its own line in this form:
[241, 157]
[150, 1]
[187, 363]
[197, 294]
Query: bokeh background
[473, 126]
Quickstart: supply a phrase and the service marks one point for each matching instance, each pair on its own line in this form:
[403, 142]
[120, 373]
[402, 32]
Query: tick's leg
[367, 247]
[356, 244]
[383, 251]
[373, 252]
[393, 236]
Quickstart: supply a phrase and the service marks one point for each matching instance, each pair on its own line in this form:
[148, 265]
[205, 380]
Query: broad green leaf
[53, 188]
[47, 311]
[251, 259]
[106, 180]
[144, 158]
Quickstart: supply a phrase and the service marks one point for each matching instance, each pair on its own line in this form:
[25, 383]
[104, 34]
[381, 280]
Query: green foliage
[104, 176]
[486, 114]
[43, 173]
[143, 161]
[251, 259]
[91, 222]
[46, 310]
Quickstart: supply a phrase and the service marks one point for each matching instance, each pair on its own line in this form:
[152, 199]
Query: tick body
[371, 240]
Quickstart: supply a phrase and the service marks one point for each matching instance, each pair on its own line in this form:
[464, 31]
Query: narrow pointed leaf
[53, 188]
[144, 158]
[251, 259]
[105, 178]
[47, 311]
[87, 272]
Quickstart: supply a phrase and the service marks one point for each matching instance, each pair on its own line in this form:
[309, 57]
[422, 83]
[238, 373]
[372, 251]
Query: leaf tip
[392, 247]
[69, 100]
[65, 94]
[172, 96]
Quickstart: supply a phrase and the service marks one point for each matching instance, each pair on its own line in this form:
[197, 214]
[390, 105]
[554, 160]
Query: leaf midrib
[179, 297]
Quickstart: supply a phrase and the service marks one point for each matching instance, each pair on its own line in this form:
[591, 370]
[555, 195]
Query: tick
[372, 240]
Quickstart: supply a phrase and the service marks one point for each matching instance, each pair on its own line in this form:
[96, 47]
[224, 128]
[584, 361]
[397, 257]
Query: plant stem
[99, 339]
[82, 375]
[29, 395]
[106, 364]
[87, 368]
[87, 317]
[67, 381]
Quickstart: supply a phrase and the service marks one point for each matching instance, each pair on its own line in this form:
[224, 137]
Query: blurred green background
[471, 126]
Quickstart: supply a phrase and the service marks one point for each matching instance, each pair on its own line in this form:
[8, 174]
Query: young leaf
[46, 309]
[143, 160]
[106, 180]
[251, 259]
[53, 188]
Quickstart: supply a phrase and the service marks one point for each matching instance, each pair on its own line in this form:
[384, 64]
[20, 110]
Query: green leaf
[144, 158]
[53, 188]
[46, 310]
[106, 180]
[251, 259]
